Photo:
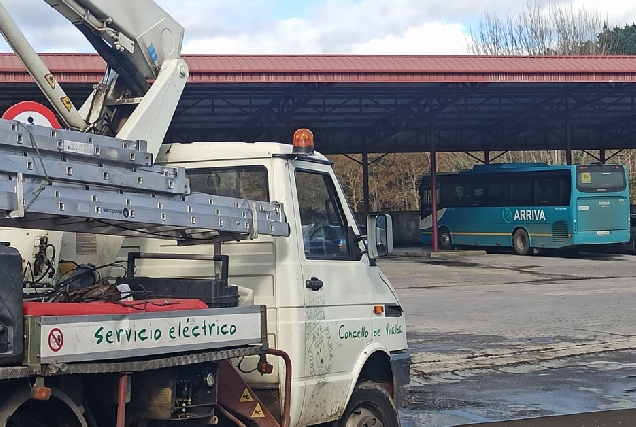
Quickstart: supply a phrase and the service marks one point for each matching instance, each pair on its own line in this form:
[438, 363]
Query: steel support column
[431, 134]
[568, 140]
[365, 182]
[486, 157]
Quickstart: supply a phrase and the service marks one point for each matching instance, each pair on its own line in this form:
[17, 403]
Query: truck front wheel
[370, 405]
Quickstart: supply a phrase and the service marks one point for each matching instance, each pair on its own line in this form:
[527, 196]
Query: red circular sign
[56, 340]
[33, 113]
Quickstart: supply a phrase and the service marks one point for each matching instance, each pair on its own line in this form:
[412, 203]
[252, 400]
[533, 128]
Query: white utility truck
[181, 284]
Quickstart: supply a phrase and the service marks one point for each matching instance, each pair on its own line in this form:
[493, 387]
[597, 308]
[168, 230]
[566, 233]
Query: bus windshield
[600, 178]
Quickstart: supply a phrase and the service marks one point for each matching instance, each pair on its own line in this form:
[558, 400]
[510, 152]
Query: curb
[440, 254]
[456, 254]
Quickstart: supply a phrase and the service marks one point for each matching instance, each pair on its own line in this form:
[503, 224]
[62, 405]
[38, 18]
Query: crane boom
[140, 34]
[140, 42]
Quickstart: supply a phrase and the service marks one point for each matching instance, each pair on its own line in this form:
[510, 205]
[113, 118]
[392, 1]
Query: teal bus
[528, 206]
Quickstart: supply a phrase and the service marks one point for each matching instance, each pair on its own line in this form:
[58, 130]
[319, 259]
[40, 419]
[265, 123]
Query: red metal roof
[354, 68]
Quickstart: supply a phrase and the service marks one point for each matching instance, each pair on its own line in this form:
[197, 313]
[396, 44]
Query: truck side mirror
[379, 235]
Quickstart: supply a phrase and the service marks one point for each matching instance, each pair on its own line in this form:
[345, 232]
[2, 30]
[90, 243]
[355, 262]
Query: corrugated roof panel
[423, 64]
[354, 68]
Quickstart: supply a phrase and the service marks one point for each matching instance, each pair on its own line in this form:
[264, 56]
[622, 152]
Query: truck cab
[328, 304]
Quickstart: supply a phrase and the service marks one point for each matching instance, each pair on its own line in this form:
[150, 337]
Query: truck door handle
[314, 284]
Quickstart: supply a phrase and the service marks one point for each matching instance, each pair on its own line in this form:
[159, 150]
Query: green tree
[622, 40]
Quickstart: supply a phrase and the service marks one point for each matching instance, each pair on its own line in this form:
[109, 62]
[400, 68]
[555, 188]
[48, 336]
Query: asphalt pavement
[498, 337]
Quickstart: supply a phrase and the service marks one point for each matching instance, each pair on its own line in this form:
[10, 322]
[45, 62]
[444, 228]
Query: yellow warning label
[67, 102]
[50, 80]
[586, 178]
[246, 396]
[258, 412]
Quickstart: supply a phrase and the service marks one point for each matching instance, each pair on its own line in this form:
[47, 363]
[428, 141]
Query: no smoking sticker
[56, 340]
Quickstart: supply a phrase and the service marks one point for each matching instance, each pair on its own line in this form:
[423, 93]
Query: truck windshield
[600, 178]
[243, 182]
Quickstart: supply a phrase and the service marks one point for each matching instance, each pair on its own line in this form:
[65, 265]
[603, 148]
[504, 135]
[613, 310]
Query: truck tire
[445, 239]
[370, 405]
[521, 242]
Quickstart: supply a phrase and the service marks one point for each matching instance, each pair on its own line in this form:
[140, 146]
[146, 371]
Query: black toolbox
[215, 292]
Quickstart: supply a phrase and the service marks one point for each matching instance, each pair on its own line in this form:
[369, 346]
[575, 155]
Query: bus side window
[493, 194]
[543, 192]
[426, 201]
[565, 190]
[550, 191]
[498, 192]
[445, 199]
[451, 196]
[459, 195]
[478, 197]
[469, 196]
[522, 192]
[474, 192]
[505, 194]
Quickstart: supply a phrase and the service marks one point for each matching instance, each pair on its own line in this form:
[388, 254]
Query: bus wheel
[445, 242]
[521, 242]
[370, 405]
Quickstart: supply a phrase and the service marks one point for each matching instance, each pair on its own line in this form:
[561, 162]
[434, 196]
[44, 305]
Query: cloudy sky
[412, 27]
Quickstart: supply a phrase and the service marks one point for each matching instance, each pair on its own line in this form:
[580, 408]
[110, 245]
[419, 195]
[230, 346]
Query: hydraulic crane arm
[140, 43]
[144, 80]
[134, 37]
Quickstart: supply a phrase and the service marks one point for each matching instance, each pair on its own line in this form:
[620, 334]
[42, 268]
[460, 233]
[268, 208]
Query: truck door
[338, 297]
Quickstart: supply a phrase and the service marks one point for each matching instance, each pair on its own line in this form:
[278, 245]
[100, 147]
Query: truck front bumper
[401, 367]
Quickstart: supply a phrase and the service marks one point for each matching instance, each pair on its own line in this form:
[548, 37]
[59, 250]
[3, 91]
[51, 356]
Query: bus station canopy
[379, 104]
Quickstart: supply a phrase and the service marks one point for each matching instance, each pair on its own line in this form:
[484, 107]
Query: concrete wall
[406, 227]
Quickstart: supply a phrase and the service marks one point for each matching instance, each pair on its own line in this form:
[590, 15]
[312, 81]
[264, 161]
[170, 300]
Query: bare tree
[349, 173]
[542, 29]
[393, 179]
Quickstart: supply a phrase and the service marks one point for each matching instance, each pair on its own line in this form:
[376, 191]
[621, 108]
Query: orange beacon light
[303, 143]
